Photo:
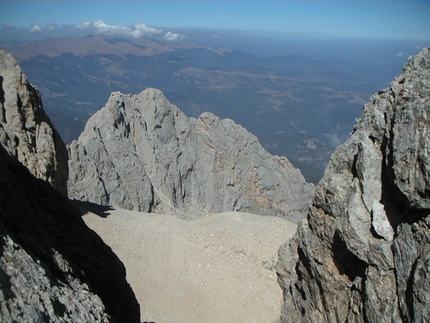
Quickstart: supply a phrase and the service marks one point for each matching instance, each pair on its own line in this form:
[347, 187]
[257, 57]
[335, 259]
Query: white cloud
[145, 29]
[104, 28]
[84, 25]
[36, 29]
[51, 27]
[400, 54]
[173, 36]
[138, 30]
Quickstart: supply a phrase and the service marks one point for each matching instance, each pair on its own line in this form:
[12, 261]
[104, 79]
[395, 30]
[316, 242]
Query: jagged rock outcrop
[141, 152]
[26, 132]
[53, 268]
[363, 253]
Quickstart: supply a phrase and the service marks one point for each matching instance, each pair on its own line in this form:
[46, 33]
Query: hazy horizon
[395, 19]
[335, 55]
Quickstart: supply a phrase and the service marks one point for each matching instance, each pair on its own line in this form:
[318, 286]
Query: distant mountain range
[298, 106]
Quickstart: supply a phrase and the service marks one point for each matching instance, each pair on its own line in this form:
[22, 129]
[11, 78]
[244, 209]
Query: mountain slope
[52, 266]
[362, 254]
[267, 96]
[141, 152]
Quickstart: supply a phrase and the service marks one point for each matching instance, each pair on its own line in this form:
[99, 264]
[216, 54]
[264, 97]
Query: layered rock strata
[26, 132]
[363, 253]
[141, 152]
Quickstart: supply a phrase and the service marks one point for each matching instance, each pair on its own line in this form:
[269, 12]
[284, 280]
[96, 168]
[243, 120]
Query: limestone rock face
[363, 253]
[26, 132]
[53, 268]
[141, 152]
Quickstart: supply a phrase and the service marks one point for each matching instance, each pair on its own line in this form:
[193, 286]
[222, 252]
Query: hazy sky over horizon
[395, 19]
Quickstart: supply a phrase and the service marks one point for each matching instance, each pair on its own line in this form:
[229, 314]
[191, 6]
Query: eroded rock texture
[141, 152]
[26, 132]
[53, 268]
[363, 253]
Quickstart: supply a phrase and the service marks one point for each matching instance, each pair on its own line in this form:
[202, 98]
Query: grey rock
[362, 253]
[30, 293]
[141, 152]
[53, 268]
[26, 132]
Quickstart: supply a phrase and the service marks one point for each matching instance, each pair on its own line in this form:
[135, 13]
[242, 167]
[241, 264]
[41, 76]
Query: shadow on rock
[86, 207]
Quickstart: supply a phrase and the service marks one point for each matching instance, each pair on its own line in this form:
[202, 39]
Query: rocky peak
[53, 268]
[26, 132]
[362, 254]
[141, 152]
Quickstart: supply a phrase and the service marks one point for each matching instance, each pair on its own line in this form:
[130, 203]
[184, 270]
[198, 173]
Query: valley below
[301, 106]
[216, 268]
[70, 253]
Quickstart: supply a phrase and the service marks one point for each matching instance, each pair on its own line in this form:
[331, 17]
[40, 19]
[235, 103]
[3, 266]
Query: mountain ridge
[169, 160]
[265, 95]
[94, 44]
[360, 255]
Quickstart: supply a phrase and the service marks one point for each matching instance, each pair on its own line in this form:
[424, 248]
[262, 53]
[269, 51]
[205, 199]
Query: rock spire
[26, 132]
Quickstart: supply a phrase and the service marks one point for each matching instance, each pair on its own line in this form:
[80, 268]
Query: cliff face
[363, 253]
[52, 266]
[26, 131]
[141, 152]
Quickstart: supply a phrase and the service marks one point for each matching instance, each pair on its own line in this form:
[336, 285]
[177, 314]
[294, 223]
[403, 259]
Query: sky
[396, 19]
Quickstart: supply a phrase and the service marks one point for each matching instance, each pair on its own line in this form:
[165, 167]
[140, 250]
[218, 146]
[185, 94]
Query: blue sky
[397, 19]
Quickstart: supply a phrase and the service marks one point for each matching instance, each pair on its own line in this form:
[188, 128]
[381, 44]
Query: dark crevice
[354, 167]
[350, 265]
[346, 262]
[104, 190]
[396, 205]
[303, 259]
[152, 201]
[174, 199]
[2, 101]
[300, 277]
[59, 308]
[374, 233]
[20, 112]
[391, 197]
[409, 293]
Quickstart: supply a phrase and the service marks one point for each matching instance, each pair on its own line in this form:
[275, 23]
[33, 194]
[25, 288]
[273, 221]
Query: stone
[361, 254]
[53, 268]
[141, 152]
[26, 132]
